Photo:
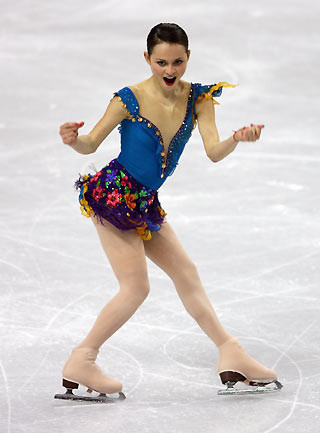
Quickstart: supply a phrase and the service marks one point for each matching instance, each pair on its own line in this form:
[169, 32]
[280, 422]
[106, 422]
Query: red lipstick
[169, 81]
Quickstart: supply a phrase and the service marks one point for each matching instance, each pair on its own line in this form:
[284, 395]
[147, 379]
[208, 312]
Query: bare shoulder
[186, 84]
[138, 87]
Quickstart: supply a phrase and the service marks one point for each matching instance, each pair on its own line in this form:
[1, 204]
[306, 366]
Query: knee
[142, 291]
[138, 289]
[186, 274]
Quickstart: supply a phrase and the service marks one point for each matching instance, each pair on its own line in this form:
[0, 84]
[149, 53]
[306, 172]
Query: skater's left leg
[166, 251]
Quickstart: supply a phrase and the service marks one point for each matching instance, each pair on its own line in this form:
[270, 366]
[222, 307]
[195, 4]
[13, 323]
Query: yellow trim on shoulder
[213, 89]
[209, 95]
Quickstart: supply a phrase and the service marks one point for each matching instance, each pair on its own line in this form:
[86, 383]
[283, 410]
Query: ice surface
[250, 222]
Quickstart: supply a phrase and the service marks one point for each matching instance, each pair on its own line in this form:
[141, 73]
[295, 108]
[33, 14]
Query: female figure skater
[156, 119]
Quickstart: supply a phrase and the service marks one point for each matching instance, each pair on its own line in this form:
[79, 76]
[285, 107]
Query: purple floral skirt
[116, 196]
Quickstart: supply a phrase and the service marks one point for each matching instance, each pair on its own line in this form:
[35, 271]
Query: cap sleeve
[128, 100]
[207, 91]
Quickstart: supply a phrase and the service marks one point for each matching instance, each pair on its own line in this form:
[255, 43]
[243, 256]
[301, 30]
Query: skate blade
[101, 398]
[256, 388]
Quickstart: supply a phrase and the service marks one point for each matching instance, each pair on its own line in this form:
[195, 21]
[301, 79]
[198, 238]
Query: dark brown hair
[166, 32]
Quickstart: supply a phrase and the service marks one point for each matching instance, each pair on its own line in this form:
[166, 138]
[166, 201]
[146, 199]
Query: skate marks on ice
[6, 386]
[15, 267]
[285, 354]
[49, 325]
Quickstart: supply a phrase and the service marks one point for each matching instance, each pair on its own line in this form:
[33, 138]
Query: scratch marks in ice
[285, 354]
[6, 386]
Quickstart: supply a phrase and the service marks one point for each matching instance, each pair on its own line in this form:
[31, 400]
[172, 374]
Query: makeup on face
[170, 79]
[169, 62]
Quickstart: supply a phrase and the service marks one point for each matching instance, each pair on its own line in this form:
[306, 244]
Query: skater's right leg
[125, 252]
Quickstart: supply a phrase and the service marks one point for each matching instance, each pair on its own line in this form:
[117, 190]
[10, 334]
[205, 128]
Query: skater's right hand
[69, 132]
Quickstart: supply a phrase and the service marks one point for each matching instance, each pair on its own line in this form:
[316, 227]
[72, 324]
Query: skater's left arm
[215, 149]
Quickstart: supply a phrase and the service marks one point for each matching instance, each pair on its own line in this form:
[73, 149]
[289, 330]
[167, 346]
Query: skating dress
[125, 191]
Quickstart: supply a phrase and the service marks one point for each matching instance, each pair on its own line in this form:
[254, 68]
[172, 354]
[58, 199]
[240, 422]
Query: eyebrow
[180, 58]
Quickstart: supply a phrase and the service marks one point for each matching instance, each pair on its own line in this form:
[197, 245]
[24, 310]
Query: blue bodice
[142, 150]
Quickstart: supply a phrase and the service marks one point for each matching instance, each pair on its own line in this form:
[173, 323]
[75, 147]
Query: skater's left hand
[248, 133]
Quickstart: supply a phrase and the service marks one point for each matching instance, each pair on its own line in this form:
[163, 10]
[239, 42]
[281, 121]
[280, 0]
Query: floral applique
[95, 177]
[110, 176]
[130, 198]
[97, 193]
[144, 192]
[125, 181]
[146, 202]
[113, 198]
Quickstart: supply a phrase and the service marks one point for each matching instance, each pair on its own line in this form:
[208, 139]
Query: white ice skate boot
[235, 365]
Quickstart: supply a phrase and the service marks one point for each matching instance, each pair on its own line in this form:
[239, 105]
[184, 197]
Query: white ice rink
[250, 222]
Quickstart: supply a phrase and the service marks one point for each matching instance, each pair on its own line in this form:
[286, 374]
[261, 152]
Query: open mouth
[169, 81]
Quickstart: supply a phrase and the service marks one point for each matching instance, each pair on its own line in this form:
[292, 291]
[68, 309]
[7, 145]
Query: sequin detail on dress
[167, 163]
[180, 139]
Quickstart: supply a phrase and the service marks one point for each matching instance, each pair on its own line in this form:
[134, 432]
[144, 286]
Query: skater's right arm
[89, 143]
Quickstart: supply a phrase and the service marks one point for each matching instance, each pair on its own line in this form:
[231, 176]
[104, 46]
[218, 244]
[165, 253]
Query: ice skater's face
[168, 63]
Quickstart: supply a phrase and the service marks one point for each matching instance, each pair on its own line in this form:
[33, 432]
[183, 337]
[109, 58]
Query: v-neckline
[155, 126]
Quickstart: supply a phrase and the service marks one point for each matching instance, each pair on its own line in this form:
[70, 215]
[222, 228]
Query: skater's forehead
[165, 50]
